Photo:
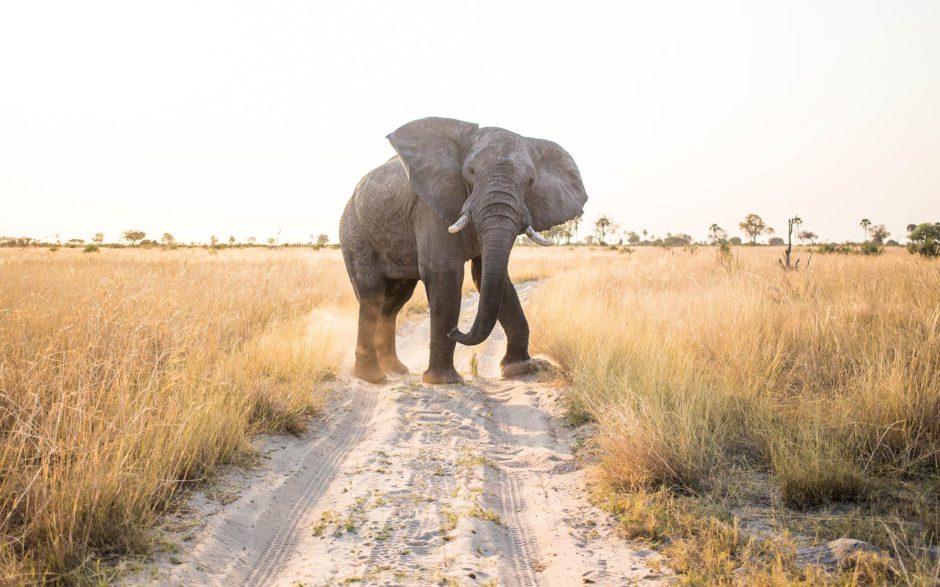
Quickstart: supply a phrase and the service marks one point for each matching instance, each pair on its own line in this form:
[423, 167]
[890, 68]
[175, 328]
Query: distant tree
[554, 233]
[323, 240]
[572, 226]
[589, 239]
[252, 240]
[168, 240]
[879, 234]
[775, 241]
[786, 261]
[807, 235]
[231, 241]
[98, 238]
[795, 224]
[75, 242]
[754, 226]
[604, 226]
[12, 241]
[717, 234]
[272, 241]
[924, 239]
[865, 224]
[565, 233]
[735, 240]
[133, 236]
[676, 240]
[633, 238]
[213, 242]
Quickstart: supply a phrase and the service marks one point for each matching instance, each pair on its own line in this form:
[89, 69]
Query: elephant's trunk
[496, 240]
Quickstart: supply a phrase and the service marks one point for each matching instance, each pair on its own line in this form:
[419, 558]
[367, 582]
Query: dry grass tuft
[128, 375]
[701, 373]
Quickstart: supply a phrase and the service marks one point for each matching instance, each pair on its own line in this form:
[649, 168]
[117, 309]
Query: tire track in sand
[304, 492]
[247, 542]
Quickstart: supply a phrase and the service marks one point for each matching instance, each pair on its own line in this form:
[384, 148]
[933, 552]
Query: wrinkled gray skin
[394, 231]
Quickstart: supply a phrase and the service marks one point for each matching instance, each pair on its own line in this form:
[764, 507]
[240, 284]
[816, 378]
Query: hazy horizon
[251, 119]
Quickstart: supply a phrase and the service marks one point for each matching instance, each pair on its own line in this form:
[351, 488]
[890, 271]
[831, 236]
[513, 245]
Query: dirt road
[407, 484]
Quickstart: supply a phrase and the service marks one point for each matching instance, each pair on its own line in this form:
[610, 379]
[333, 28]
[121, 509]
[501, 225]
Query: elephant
[454, 192]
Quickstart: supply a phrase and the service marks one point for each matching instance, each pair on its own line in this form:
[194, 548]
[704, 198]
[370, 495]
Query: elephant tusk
[458, 226]
[537, 238]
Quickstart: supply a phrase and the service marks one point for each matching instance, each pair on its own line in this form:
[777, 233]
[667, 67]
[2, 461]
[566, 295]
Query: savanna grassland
[127, 376]
[740, 408]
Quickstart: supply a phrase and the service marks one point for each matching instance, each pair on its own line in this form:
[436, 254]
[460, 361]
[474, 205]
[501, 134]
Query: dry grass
[126, 375]
[704, 378]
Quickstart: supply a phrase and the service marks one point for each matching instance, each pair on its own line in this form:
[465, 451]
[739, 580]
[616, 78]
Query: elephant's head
[495, 182]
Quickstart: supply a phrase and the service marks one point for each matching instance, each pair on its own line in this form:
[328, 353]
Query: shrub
[833, 249]
[90, 249]
[870, 248]
[866, 248]
[925, 239]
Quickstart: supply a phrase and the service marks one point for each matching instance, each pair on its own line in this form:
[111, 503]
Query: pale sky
[246, 118]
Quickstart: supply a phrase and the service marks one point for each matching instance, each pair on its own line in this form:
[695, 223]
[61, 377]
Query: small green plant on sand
[327, 518]
[479, 512]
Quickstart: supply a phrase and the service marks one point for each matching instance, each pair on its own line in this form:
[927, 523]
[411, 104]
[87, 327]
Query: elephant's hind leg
[370, 313]
[397, 294]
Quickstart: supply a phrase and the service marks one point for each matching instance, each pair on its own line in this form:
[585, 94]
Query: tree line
[138, 238]
[923, 238]
[606, 231]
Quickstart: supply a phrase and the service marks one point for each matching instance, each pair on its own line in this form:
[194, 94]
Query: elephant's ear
[558, 194]
[432, 152]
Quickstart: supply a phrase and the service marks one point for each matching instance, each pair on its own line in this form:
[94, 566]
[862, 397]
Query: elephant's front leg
[516, 361]
[444, 293]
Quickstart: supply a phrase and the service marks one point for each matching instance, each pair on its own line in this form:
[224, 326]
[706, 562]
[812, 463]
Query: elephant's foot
[441, 376]
[366, 372]
[524, 367]
[393, 366]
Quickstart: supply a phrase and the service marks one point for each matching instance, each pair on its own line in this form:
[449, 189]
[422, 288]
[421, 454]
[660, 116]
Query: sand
[409, 484]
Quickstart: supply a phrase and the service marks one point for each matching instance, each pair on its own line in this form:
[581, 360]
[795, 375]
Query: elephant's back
[383, 204]
[385, 186]
[384, 198]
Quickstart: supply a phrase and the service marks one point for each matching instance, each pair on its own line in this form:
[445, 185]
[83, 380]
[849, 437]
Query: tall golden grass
[126, 375]
[826, 380]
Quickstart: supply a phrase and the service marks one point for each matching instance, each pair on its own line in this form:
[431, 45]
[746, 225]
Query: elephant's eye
[531, 181]
[472, 172]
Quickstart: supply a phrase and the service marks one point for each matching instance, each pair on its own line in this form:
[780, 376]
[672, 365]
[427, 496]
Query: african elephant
[455, 192]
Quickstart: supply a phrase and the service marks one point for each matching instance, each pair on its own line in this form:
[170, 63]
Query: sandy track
[408, 484]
